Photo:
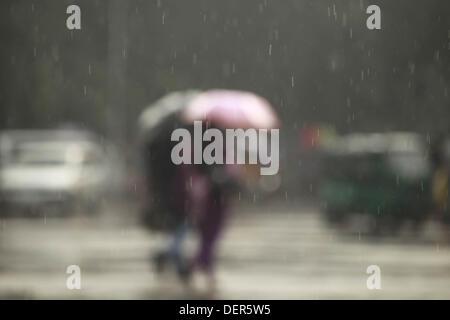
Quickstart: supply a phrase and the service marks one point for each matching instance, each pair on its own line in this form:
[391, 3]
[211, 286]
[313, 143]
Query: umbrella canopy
[231, 109]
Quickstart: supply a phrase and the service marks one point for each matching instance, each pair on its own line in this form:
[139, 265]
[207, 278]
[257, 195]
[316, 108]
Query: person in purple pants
[203, 194]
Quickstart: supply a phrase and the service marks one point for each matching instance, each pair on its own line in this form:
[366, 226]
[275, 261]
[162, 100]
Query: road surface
[268, 252]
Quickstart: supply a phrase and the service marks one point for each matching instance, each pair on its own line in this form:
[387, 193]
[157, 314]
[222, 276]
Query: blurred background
[364, 144]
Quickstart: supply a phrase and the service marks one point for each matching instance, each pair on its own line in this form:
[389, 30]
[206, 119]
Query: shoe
[184, 270]
[160, 261]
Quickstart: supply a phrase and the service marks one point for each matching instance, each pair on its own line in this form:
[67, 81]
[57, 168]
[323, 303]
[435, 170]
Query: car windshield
[47, 153]
[409, 164]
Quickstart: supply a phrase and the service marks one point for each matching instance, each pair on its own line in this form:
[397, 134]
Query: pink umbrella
[231, 109]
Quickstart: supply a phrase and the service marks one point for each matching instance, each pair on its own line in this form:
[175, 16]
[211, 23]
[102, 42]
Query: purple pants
[210, 228]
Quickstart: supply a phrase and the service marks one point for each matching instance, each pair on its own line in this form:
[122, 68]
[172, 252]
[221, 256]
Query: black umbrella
[156, 123]
[163, 114]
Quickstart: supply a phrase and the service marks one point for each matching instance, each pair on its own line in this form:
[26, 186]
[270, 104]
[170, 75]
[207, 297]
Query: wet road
[273, 253]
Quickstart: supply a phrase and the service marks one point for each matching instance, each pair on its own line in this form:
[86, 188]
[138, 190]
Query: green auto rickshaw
[386, 176]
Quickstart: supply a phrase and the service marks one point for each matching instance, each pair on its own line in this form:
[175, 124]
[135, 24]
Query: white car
[39, 169]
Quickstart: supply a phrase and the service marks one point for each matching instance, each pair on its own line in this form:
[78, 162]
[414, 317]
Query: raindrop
[412, 68]
[276, 34]
[436, 55]
[333, 64]
[261, 8]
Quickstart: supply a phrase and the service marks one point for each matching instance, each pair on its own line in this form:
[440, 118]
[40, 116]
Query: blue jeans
[174, 250]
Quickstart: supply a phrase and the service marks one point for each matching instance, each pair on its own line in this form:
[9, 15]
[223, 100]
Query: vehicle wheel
[92, 206]
[393, 225]
[3, 210]
[386, 226]
[335, 216]
[417, 224]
